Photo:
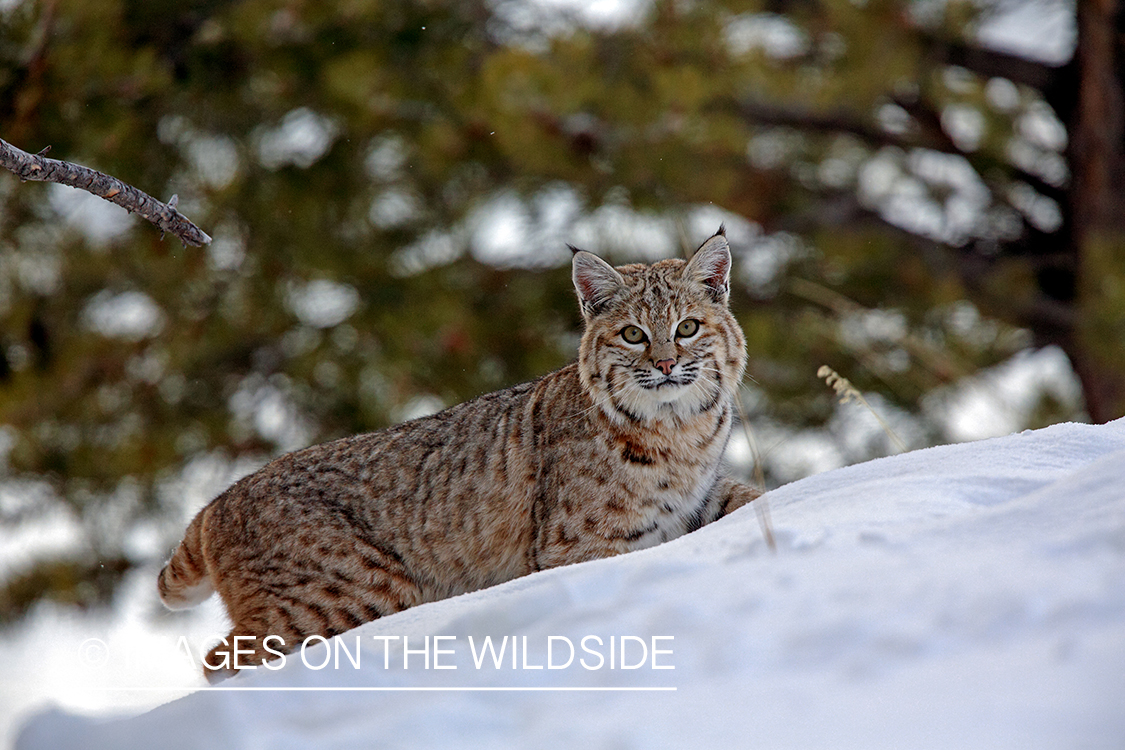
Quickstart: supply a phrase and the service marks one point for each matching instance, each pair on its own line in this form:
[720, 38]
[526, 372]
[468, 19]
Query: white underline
[234, 689]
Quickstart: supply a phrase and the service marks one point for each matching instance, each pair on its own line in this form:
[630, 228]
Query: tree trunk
[1096, 153]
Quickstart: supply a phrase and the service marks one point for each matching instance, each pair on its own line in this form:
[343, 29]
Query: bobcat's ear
[595, 281]
[710, 266]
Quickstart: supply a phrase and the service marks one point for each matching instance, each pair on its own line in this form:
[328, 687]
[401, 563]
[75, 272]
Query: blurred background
[926, 196]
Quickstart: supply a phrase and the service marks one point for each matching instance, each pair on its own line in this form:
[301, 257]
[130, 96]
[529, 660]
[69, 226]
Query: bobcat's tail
[184, 582]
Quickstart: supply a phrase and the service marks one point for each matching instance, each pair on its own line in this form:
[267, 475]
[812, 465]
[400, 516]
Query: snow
[965, 596]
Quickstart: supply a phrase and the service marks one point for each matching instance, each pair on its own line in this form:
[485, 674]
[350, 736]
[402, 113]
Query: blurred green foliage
[347, 155]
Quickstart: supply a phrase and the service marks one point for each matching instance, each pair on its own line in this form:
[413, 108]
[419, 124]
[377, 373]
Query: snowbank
[964, 596]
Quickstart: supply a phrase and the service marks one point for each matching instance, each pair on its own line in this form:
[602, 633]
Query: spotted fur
[616, 452]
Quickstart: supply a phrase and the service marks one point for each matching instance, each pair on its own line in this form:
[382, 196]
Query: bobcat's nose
[666, 365]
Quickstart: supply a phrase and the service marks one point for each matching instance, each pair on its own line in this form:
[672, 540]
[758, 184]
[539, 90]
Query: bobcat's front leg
[726, 496]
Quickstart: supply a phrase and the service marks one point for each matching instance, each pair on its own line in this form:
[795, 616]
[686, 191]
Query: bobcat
[616, 452]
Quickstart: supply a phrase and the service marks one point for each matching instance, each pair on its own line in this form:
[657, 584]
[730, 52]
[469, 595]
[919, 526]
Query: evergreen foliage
[390, 186]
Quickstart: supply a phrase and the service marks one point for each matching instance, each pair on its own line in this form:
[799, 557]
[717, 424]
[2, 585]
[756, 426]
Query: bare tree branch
[926, 132]
[1048, 318]
[990, 63]
[1057, 83]
[38, 168]
[763, 113]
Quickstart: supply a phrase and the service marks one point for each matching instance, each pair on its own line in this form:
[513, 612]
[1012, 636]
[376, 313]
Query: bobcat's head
[660, 341]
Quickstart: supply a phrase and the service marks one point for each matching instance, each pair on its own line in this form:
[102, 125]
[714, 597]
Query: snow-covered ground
[965, 596]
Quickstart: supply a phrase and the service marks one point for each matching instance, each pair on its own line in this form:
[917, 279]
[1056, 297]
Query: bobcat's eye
[687, 328]
[633, 334]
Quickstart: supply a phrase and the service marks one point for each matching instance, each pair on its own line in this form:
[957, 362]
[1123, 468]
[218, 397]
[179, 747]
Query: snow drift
[964, 596]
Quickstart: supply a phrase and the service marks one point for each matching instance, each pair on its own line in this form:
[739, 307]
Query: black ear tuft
[573, 250]
[722, 230]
